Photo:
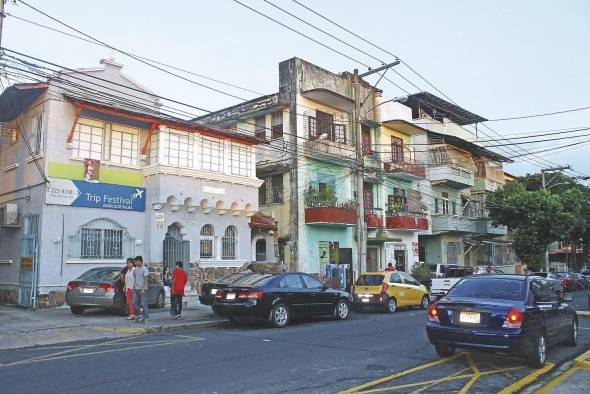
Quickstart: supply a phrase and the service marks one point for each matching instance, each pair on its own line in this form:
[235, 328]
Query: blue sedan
[514, 314]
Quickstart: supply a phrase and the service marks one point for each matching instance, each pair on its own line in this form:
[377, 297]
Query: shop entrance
[175, 248]
[400, 260]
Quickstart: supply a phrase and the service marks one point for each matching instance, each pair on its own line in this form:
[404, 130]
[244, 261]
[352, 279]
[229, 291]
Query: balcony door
[368, 196]
[324, 124]
[366, 142]
[397, 150]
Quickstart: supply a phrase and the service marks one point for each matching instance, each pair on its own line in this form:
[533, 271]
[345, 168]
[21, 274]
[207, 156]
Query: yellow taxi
[388, 290]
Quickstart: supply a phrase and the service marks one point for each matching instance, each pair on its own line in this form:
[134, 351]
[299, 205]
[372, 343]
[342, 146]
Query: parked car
[452, 275]
[277, 298]
[515, 314]
[582, 281]
[567, 281]
[208, 289]
[553, 279]
[102, 288]
[585, 274]
[388, 291]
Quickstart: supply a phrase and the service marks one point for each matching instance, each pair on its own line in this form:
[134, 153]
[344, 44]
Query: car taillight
[202, 291]
[72, 285]
[107, 287]
[433, 314]
[513, 319]
[251, 295]
[384, 287]
[218, 294]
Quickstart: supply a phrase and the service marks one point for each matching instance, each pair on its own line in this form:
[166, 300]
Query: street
[376, 350]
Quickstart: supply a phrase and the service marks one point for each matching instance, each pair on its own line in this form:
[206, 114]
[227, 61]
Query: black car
[278, 298]
[514, 314]
[208, 289]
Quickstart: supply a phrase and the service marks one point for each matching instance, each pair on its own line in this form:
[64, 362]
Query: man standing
[177, 290]
[141, 275]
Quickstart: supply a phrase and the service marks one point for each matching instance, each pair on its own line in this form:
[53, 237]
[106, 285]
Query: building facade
[97, 174]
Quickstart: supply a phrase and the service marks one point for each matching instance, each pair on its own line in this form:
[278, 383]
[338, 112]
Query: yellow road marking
[530, 378]
[549, 386]
[476, 375]
[399, 374]
[582, 360]
[435, 383]
[120, 330]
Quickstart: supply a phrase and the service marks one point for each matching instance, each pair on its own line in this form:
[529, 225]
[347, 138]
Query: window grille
[261, 250]
[101, 239]
[206, 241]
[228, 243]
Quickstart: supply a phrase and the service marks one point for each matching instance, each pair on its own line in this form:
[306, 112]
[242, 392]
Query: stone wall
[9, 295]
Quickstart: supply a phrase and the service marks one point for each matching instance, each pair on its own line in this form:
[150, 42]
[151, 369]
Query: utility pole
[361, 226]
[1, 18]
[543, 185]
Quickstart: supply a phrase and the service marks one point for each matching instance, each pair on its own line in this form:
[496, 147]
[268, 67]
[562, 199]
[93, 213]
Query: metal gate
[27, 293]
[175, 248]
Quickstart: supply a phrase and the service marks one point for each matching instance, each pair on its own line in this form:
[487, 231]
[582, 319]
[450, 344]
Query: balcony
[453, 224]
[374, 218]
[406, 222]
[486, 184]
[451, 176]
[405, 170]
[337, 216]
[486, 227]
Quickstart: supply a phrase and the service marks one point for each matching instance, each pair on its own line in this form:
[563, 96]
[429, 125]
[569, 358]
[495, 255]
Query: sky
[496, 58]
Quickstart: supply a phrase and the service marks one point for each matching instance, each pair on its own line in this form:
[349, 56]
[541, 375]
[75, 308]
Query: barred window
[207, 241]
[261, 250]
[241, 160]
[212, 156]
[271, 191]
[124, 145]
[87, 140]
[101, 239]
[228, 243]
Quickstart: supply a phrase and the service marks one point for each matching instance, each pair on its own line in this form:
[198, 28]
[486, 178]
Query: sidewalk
[573, 380]
[25, 328]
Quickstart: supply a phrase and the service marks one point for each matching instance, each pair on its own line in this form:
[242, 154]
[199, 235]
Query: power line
[539, 115]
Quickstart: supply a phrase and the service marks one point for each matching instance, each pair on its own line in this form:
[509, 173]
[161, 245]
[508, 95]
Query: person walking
[129, 287]
[177, 290]
[141, 275]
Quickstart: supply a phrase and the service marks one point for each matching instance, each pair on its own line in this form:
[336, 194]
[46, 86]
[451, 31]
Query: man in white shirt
[141, 275]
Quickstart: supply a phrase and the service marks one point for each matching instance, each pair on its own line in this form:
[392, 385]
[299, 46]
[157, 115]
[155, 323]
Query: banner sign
[95, 195]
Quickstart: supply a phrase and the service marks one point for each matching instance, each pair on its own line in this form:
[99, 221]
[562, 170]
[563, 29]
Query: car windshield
[100, 275]
[370, 280]
[497, 288]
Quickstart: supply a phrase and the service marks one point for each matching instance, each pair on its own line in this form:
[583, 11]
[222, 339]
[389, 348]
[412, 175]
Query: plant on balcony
[394, 209]
[319, 198]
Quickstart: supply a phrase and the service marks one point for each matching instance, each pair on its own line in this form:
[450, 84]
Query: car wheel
[444, 350]
[425, 303]
[539, 355]
[572, 337]
[341, 310]
[279, 315]
[77, 310]
[160, 300]
[391, 305]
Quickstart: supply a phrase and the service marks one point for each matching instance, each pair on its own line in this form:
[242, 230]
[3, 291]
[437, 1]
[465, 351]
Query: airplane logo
[138, 193]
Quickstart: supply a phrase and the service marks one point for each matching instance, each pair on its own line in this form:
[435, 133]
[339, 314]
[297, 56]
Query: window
[340, 133]
[445, 206]
[277, 125]
[261, 250]
[368, 195]
[212, 159]
[8, 134]
[398, 198]
[409, 279]
[311, 282]
[501, 289]
[397, 150]
[271, 191]
[240, 160]
[452, 253]
[395, 278]
[124, 145]
[262, 193]
[260, 127]
[206, 241]
[324, 123]
[366, 141]
[454, 206]
[87, 140]
[36, 133]
[101, 239]
[369, 280]
[176, 148]
[291, 281]
[228, 243]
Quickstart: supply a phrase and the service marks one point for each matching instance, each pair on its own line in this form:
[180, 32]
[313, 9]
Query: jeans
[141, 302]
[175, 304]
[130, 299]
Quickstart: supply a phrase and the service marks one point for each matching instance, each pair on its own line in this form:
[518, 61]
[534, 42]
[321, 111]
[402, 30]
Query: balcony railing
[406, 221]
[374, 218]
[405, 169]
[338, 215]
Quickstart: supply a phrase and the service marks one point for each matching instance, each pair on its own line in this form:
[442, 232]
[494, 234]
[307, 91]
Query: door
[548, 307]
[372, 259]
[29, 262]
[413, 289]
[368, 196]
[397, 150]
[366, 141]
[175, 248]
[321, 300]
[345, 256]
[400, 260]
[397, 289]
[291, 288]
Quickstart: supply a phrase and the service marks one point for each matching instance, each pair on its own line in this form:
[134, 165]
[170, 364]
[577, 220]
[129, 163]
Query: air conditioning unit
[9, 216]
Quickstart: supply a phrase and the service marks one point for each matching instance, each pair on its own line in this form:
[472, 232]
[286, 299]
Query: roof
[242, 110]
[469, 146]
[431, 104]
[17, 98]
[262, 222]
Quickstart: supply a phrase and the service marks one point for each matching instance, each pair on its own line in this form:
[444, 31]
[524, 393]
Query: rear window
[229, 278]
[251, 280]
[99, 275]
[541, 274]
[370, 280]
[500, 289]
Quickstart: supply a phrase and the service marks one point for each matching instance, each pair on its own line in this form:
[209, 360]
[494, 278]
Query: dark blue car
[514, 314]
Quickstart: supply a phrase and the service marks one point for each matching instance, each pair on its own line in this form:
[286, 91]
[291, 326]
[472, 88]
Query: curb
[160, 329]
[583, 313]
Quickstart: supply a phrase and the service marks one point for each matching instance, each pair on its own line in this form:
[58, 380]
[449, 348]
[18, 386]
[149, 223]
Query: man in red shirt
[177, 290]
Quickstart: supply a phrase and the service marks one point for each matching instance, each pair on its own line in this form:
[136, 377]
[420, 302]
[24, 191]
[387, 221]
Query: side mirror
[567, 298]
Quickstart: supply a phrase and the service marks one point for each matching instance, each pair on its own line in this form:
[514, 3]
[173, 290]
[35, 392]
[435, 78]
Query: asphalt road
[312, 357]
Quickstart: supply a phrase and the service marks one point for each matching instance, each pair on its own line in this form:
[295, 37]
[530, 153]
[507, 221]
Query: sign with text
[94, 195]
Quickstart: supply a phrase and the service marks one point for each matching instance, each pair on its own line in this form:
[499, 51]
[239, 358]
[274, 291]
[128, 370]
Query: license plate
[87, 291]
[230, 296]
[469, 317]
[365, 300]
[213, 291]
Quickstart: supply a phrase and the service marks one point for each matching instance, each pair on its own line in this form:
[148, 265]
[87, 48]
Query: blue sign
[95, 195]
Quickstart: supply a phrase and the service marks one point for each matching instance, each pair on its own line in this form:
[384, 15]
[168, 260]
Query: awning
[262, 222]
[330, 99]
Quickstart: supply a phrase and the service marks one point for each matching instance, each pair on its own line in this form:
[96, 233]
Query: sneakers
[177, 317]
[131, 317]
[142, 320]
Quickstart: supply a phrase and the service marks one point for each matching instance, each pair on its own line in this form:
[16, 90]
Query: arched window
[207, 240]
[101, 238]
[228, 243]
[261, 250]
